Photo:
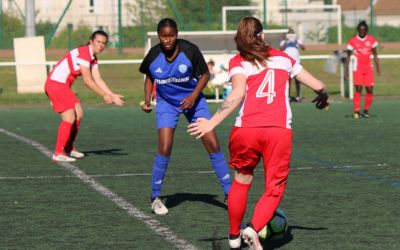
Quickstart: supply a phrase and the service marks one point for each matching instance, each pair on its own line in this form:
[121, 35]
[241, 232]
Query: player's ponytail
[249, 41]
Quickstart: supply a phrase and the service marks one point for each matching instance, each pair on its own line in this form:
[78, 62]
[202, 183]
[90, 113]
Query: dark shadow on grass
[362, 117]
[178, 198]
[218, 243]
[107, 152]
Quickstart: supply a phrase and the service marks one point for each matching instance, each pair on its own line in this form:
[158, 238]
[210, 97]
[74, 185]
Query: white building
[94, 13]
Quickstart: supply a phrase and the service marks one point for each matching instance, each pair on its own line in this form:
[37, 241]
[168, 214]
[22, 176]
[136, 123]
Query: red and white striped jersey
[68, 67]
[362, 48]
[266, 102]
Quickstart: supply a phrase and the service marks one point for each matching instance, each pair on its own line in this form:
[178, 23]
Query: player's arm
[282, 45]
[148, 88]
[376, 60]
[301, 45]
[321, 101]
[88, 80]
[202, 126]
[117, 99]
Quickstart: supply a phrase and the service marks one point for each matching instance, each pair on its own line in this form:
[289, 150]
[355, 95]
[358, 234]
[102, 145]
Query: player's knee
[244, 176]
[165, 149]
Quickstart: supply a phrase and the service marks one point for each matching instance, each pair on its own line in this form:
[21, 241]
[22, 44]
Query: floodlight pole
[1, 24]
[286, 15]
[120, 35]
[265, 14]
[29, 18]
[371, 12]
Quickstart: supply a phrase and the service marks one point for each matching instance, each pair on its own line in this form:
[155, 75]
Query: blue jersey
[175, 79]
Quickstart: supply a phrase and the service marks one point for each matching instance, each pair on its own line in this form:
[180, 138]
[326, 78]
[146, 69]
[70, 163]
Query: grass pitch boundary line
[44, 177]
[150, 222]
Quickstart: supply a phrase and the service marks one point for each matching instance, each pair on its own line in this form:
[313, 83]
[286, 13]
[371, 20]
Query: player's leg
[369, 87]
[160, 166]
[167, 120]
[298, 90]
[211, 143]
[69, 148]
[276, 159]
[217, 160]
[368, 100]
[290, 90]
[63, 101]
[356, 101]
[237, 202]
[244, 158]
[64, 131]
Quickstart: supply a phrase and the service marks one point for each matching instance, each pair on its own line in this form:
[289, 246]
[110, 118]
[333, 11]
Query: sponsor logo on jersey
[172, 80]
[182, 68]
[158, 70]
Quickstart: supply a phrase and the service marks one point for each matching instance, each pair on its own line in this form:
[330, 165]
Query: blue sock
[159, 169]
[221, 170]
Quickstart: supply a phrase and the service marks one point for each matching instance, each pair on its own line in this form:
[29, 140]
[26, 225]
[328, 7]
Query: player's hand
[321, 101]
[188, 102]
[118, 99]
[146, 107]
[201, 127]
[107, 98]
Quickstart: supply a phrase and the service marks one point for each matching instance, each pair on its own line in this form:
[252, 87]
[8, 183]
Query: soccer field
[342, 193]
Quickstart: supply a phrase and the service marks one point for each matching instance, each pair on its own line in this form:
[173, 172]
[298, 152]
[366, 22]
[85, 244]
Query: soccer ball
[276, 228]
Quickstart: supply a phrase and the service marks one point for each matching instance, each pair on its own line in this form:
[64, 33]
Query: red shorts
[273, 144]
[363, 78]
[61, 96]
[248, 145]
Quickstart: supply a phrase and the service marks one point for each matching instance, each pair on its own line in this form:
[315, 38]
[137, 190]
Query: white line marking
[153, 224]
[170, 173]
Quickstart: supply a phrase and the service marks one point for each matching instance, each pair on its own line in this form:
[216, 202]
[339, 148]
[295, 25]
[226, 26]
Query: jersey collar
[91, 52]
[360, 38]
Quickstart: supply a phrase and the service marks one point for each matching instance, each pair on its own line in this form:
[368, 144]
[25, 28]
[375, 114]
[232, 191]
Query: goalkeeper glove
[321, 101]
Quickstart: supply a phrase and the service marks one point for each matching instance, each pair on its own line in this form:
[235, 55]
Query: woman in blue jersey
[180, 73]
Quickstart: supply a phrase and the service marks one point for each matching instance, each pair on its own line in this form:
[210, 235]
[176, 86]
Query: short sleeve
[198, 62]
[144, 66]
[374, 42]
[84, 57]
[350, 45]
[235, 67]
[148, 60]
[296, 68]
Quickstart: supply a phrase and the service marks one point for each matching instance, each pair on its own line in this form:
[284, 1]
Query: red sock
[237, 201]
[356, 101]
[264, 210]
[64, 131]
[74, 132]
[368, 100]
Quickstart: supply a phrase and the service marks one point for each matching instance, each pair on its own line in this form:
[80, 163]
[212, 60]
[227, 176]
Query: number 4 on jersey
[267, 87]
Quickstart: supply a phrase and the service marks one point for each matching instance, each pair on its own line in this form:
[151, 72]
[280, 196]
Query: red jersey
[266, 102]
[68, 67]
[362, 49]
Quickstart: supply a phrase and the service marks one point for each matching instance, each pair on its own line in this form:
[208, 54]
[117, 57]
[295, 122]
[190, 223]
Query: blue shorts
[167, 115]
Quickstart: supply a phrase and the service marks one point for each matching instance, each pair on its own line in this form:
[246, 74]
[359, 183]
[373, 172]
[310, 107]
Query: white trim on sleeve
[82, 62]
[349, 47]
[237, 70]
[295, 70]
